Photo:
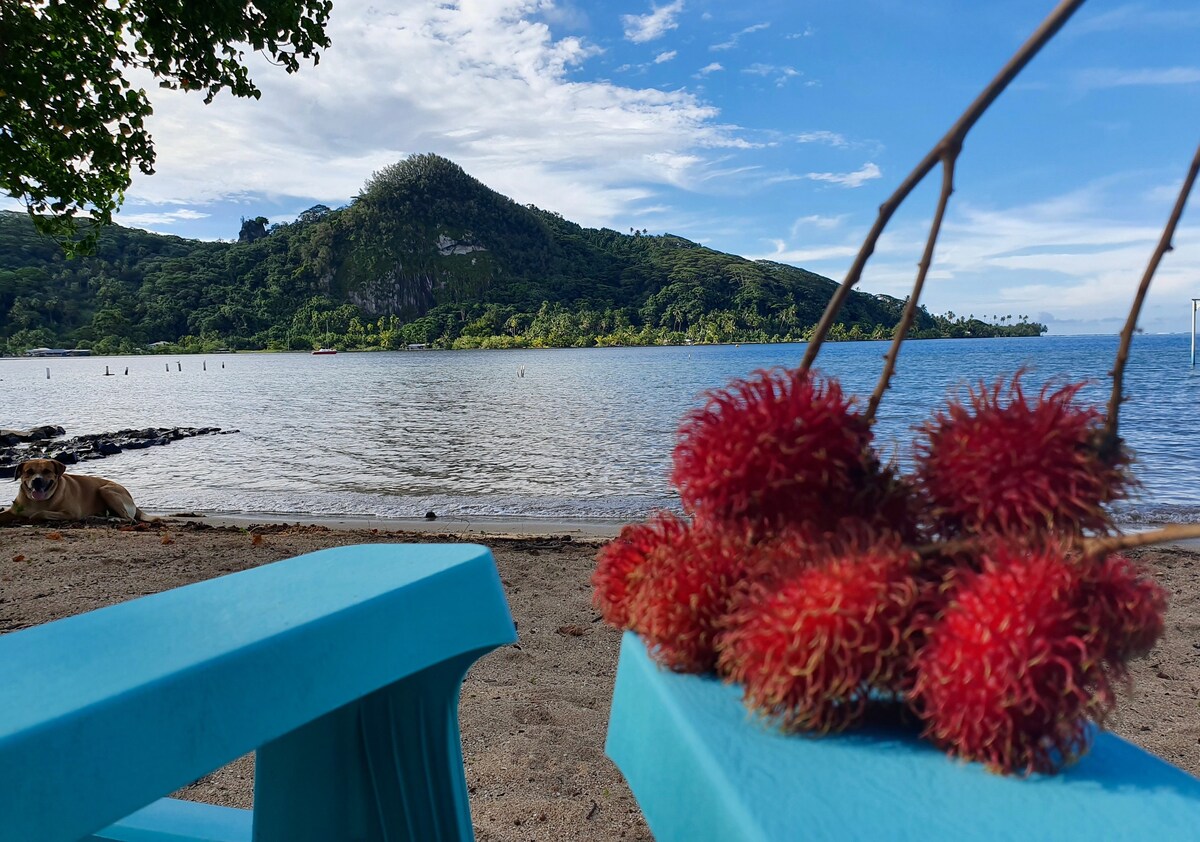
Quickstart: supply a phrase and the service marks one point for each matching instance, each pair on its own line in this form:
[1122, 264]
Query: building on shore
[58, 352]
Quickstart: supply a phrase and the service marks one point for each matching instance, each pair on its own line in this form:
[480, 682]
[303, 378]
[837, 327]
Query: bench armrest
[102, 713]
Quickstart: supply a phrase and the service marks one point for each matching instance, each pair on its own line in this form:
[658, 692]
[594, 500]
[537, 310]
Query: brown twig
[1101, 545]
[1117, 543]
[949, 145]
[910, 306]
[1164, 245]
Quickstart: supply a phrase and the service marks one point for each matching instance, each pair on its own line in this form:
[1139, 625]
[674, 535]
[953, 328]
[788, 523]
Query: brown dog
[47, 493]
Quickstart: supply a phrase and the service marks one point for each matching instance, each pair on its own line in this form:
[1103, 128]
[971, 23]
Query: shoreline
[599, 529]
[585, 529]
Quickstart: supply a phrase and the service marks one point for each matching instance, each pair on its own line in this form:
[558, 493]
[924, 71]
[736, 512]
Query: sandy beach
[534, 714]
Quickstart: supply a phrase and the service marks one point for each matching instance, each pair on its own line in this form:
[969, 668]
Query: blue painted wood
[172, 820]
[103, 713]
[703, 769]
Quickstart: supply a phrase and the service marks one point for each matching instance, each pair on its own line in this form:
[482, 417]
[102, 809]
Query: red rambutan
[999, 463]
[682, 593]
[1012, 672]
[619, 563]
[777, 447]
[810, 648]
[1127, 607]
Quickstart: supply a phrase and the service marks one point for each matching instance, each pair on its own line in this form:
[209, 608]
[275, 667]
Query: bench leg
[387, 768]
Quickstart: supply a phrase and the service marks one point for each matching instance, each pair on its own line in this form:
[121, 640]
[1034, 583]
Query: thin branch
[1117, 543]
[952, 141]
[1164, 245]
[910, 307]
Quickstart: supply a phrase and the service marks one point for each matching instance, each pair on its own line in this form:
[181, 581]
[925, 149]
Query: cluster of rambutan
[823, 581]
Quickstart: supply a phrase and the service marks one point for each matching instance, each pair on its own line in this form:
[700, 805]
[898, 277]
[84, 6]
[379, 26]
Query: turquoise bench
[341, 667]
[701, 769]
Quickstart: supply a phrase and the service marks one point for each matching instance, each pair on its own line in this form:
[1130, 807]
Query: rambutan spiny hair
[1013, 671]
[998, 463]
[1127, 607]
[619, 564]
[780, 446]
[809, 648]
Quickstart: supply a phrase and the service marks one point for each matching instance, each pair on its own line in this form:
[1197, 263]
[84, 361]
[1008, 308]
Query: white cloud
[737, 36]
[642, 28]
[711, 67]
[1060, 259]
[828, 138]
[483, 84]
[858, 178]
[1134, 16]
[824, 223]
[164, 219]
[667, 56]
[1105, 77]
[781, 73]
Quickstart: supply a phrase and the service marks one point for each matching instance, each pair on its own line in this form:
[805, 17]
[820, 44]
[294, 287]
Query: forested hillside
[425, 254]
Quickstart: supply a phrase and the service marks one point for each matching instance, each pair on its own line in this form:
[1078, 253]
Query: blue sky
[767, 128]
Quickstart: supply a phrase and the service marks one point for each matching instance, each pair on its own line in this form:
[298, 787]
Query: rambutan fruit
[619, 563]
[810, 648]
[1127, 607]
[777, 447]
[1000, 463]
[683, 592]
[1012, 672]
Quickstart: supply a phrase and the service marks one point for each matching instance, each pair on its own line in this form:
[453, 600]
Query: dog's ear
[59, 467]
[18, 471]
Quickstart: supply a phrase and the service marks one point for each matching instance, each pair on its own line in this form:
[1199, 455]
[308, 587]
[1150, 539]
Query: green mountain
[426, 254]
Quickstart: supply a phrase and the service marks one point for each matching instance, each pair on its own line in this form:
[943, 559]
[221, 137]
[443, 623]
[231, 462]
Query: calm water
[584, 434]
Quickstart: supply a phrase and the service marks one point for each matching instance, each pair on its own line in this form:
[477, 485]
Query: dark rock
[46, 431]
[88, 446]
[430, 516]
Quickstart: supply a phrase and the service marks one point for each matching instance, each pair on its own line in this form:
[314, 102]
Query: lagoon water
[583, 434]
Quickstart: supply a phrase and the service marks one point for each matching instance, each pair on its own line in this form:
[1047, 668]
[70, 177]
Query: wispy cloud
[667, 56]
[1058, 259]
[1107, 77]
[486, 85]
[737, 36]
[823, 223]
[1134, 16]
[648, 27]
[835, 139]
[711, 67]
[782, 74]
[858, 178]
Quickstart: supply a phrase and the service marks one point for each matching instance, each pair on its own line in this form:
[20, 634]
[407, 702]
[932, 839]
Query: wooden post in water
[204, 365]
[47, 372]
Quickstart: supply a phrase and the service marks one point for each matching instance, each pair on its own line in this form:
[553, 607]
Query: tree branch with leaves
[73, 126]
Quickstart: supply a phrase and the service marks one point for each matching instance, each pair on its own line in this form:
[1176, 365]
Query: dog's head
[39, 477]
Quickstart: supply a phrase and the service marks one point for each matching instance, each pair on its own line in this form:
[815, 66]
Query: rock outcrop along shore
[45, 443]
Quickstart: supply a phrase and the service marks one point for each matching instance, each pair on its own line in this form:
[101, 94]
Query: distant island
[426, 256]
